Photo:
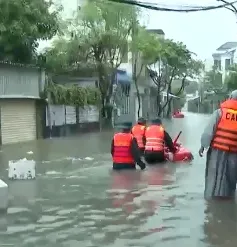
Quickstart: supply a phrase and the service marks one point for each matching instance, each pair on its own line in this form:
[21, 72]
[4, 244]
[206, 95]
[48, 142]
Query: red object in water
[178, 115]
[182, 154]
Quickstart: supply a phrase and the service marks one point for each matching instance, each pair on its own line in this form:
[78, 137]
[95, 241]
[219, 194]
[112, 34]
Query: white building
[224, 57]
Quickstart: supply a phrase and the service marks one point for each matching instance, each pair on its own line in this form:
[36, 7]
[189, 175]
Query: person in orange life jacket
[138, 132]
[156, 140]
[125, 150]
[220, 138]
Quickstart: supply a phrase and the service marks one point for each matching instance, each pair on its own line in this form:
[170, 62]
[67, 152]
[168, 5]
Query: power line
[177, 6]
[233, 8]
[152, 7]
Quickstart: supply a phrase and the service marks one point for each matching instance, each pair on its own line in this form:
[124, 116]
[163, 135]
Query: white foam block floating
[3, 195]
[21, 169]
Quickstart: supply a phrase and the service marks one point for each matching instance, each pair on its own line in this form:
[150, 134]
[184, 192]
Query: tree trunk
[158, 98]
[138, 98]
[169, 108]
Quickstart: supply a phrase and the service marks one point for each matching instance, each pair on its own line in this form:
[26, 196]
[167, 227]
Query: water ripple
[77, 201]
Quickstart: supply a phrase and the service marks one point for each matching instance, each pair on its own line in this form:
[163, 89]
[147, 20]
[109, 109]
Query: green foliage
[146, 44]
[95, 40]
[22, 24]
[108, 27]
[63, 58]
[175, 60]
[194, 68]
[175, 55]
[178, 92]
[179, 102]
[180, 61]
[192, 87]
[213, 79]
[72, 95]
[231, 79]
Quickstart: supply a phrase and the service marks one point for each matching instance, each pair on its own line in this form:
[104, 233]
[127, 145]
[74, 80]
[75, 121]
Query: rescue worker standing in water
[125, 150]
[156, 139]
[138, 132]
[220, 138]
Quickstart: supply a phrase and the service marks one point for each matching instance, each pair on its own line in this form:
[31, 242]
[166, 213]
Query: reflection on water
[220, 224]
[77, 200]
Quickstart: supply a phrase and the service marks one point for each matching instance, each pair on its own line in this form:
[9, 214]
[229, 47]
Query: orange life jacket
[122, 148]
[225, 137]
[155, 138]
[138, 132]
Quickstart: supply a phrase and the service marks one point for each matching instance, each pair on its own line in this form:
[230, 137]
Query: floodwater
[77, 200]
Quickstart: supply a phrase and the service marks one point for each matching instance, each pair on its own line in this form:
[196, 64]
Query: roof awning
[123, 78]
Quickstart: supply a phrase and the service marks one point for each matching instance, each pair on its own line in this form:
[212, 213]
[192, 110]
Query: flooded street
[77, 200]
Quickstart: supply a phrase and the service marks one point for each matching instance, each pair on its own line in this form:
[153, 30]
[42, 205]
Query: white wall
[222, 58]
[61, 115]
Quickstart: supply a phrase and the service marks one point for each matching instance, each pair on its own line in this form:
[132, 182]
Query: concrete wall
[207, 105]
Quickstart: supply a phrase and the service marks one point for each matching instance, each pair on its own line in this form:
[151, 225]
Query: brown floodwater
[77, 200]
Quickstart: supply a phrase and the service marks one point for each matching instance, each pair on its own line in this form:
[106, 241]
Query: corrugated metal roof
[19, 64]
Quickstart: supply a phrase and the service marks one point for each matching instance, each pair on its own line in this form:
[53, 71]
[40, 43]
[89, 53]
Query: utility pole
[231, 7]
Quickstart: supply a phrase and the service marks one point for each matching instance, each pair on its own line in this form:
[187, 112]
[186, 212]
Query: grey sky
[202, 32]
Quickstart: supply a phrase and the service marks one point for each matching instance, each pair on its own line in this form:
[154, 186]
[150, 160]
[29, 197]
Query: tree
[173, 61]
[143, 48]
[231, 79]
[22, 24]
[102, 30]
[191, 70]
[65, 57]
[180, 100]
[213, 79]
[192, 87]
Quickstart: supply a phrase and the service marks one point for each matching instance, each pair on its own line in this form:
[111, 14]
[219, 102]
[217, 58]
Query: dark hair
[141, 120]
[157, 121]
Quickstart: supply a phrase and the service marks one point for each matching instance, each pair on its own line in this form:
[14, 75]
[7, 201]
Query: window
[217, 64]
[227, 64]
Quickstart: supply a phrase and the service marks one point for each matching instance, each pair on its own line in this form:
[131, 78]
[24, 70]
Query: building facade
[20, 114]
[224, 57]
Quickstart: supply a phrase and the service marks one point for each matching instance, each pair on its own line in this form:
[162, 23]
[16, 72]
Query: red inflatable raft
[178, 115]
[181, 155]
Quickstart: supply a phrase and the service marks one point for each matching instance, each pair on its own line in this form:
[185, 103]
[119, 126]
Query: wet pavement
[77, 200]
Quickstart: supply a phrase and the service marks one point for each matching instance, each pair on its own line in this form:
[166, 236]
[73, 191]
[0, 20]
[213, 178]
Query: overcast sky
[202, 32]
